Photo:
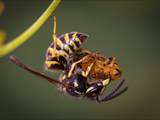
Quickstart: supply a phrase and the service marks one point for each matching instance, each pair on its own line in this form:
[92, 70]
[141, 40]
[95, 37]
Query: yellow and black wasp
[84, 73]
[62, 47]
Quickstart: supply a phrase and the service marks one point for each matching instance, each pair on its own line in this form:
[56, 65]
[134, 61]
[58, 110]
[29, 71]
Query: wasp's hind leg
[54, 33]
[114, 93]
[38, 74]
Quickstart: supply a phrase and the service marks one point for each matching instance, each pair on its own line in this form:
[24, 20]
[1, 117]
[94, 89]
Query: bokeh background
[126, 29]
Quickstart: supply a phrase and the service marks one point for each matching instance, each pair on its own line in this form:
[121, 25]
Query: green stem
[16, 42]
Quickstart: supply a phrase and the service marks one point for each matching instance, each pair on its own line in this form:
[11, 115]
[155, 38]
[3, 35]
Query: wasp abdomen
[66, 44]
[71, 41]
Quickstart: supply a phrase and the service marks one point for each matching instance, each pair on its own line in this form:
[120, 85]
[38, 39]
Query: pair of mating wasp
[84, 73]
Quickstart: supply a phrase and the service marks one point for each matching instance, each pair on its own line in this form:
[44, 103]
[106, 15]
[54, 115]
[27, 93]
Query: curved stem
[16, 42]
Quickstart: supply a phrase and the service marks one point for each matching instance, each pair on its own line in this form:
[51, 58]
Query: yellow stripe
[78, 40]
[63, 53]
[49, 63]
[56, 54]
[73, 44]
[74, 36]
[66, 37]
[59, 43]
[68, 48]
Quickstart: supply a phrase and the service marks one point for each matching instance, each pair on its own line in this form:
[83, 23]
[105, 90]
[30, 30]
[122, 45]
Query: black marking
[70, 35]
[72, 48]
[57, 66]
[62, 60]
[79, 35]
[77, 44]
[62, 39]
[52, 59]
[66, 51]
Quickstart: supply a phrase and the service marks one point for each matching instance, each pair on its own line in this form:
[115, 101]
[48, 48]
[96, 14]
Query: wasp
[76, 85]
[90, 73]
[84, 73]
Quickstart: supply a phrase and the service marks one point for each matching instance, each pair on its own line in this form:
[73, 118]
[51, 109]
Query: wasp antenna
[117, 88]
[118, 93]
[114, 93]
[33, 71]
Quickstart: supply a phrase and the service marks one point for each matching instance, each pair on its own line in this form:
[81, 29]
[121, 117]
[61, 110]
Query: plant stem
[16, 42]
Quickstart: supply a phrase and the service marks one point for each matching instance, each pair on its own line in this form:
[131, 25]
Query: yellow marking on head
[66, 37]
[49, 63]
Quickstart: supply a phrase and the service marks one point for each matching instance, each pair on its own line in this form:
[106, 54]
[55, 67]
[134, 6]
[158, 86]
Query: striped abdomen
[66, 44]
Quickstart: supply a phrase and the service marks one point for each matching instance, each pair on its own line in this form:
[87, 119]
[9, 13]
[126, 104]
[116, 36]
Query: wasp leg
[117, 94]
[85, 74]
[41, 75]
[75, 63]
[54, 34]
[113, 94]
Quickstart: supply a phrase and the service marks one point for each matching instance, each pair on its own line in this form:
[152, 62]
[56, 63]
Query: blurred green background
[126, 29]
